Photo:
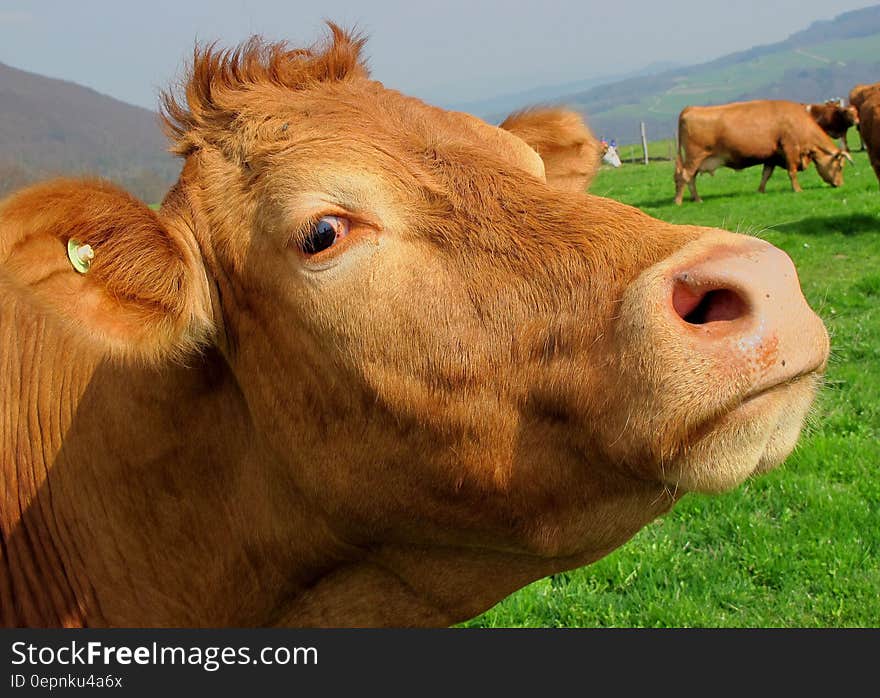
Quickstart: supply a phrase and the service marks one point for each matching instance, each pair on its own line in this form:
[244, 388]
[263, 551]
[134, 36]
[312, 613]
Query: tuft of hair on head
[570, 151]
[217, 81]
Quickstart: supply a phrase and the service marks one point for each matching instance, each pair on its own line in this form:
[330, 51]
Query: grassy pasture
[799, 547]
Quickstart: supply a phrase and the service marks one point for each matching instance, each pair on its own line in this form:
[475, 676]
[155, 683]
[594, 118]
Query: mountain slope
[50, 126]
[497, 108]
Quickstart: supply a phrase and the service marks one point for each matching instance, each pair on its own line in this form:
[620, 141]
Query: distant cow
[834, 118]
[744, 134]
[868, 100]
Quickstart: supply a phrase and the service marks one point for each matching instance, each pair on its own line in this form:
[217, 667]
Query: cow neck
[139, 496]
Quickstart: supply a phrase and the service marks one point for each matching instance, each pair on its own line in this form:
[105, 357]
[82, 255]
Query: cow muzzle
[727, 353]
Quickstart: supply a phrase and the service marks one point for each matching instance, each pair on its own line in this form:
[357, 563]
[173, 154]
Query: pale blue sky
[445, 51]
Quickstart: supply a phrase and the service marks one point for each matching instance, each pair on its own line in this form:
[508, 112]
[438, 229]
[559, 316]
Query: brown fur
[834, 119]
[476, 388]
[744, 134]
[860, 93]
[570, 151]
[869, 126]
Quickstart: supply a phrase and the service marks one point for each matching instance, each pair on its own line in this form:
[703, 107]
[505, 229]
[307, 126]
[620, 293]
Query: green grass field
[799, 547]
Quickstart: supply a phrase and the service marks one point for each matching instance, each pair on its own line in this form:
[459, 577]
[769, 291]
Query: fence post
[644, 143]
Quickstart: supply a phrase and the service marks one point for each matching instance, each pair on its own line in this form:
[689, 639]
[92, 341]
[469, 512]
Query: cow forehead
[451, 127]
[503, 143]
[365, 111]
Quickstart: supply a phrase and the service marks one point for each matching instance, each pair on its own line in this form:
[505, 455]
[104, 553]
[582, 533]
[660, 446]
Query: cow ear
[108, 267]
[568, 148]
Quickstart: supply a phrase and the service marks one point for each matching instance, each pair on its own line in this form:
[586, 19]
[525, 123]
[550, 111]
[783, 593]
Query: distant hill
[497, 108]
[50, 126]
[821, 62]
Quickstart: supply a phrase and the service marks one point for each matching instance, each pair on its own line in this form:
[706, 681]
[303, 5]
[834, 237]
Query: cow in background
[744, 134]
[857, 96]
[834, 118]
[861, 93]
[866, 98]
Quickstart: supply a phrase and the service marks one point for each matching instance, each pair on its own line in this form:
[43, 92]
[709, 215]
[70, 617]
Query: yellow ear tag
[80, 255]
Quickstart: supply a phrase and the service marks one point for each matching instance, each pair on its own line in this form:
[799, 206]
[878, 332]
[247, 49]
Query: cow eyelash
[322, 233]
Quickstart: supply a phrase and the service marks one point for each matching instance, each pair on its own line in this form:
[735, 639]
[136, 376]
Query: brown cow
[869, 126]
[860, 93]
[834, 118]
[858, 96]
[363, 367]
[744, 134]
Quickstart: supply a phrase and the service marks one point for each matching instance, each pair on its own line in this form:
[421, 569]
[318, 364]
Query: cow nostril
[698, 307]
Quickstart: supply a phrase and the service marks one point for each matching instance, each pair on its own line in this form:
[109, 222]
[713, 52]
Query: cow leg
[792, 154]
[679, 192]
[681, 179]
[765, 175]
[687, 174]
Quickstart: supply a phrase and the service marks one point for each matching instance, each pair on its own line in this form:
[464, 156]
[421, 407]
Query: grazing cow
[834, 118]
[744, 134]
[569, 150]
[363, 367]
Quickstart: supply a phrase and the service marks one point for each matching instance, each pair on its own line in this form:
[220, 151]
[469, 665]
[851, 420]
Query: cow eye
[324, 233]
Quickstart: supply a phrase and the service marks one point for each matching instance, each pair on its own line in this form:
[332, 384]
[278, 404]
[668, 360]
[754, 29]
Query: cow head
[451, 365]
[829, 164]
[413, 312]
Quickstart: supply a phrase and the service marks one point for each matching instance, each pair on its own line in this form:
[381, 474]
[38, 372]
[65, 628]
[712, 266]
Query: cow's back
[746, 131]
[861, 93]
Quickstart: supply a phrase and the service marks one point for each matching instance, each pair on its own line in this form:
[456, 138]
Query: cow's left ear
[568, 148]
[111, 269]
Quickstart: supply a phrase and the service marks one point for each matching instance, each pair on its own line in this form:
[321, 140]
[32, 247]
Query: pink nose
[741, 303]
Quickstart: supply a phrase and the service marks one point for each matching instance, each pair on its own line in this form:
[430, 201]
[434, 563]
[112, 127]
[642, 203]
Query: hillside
[498, 107]
[51, 127]
[821, 62]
